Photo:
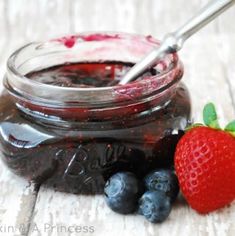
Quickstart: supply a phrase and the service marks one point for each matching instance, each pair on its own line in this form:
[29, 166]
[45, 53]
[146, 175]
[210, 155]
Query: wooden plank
[17, 200]
[37, 20]
[4, 33]
[227, 57]
[208, 74]
[153, 17]
[206, 77]
[2, 25]
[226, 48]
[225, 23]
[61, 210]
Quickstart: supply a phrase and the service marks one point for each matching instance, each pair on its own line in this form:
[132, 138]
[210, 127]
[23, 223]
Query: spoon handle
[174, 41]
[203, 17]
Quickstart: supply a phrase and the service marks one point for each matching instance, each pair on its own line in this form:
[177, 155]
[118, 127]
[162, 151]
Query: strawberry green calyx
[193, 126]
[230, 127]
[210, 119]
[210, 116]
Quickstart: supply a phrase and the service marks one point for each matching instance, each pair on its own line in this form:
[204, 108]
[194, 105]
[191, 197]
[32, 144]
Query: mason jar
[74, 138]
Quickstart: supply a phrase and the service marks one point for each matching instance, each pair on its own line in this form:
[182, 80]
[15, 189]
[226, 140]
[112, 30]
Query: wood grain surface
[209, 59]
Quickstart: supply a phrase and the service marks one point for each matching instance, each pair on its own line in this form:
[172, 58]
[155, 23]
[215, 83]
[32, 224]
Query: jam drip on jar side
[80, 160]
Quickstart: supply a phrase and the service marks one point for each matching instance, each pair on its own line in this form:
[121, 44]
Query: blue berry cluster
[153, 197]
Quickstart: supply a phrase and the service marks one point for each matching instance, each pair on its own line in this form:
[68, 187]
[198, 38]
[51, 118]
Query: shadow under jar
[63, 127]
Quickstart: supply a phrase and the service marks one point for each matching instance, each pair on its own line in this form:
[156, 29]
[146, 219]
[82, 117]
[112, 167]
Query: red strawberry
[205, 164]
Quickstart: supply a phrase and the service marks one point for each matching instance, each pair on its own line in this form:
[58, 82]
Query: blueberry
[164, 180]
[122, 191]
[155, 206]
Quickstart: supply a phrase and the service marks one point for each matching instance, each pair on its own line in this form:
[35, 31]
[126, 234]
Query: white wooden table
[209, 59]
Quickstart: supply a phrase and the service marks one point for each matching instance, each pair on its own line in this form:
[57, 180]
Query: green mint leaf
[230, 127]
[210, 116]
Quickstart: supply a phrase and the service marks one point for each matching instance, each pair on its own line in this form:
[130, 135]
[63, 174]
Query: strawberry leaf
[210, 116]
[193, 126]
[230, 127]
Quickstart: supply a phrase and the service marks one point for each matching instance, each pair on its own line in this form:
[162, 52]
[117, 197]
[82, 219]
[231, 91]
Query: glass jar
[75, 138]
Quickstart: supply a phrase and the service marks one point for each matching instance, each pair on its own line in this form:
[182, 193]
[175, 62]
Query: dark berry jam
[81, 75]
[75, 145]
[85, 75]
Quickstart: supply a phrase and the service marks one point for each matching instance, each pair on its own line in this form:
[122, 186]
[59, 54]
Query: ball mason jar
[73, 139]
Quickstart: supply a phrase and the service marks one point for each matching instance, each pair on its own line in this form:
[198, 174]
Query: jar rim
[19, 85]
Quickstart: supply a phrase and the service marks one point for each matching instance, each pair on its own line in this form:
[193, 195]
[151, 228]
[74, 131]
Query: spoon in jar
[174, 41]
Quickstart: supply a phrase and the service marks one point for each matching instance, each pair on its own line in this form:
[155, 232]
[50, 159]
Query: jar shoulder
[20, 132]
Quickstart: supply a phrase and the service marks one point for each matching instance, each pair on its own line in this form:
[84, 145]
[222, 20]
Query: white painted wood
[226, 24]
[36, 20]
[209, 59]
[154, 17]
[206, 77]
[17, 200]
[226, 53]
[54, 208]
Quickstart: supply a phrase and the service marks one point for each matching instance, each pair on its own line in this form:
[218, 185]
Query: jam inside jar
[66, 123]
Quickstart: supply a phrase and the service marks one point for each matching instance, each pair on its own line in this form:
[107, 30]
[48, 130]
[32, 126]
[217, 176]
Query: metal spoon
[174, 41]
